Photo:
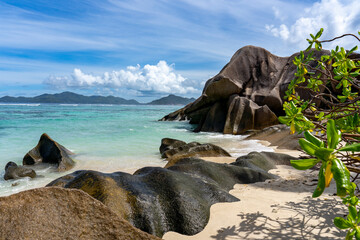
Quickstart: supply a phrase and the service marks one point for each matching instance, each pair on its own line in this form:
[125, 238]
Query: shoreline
[274, 209]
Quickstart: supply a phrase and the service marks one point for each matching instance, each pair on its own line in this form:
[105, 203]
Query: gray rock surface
[58, 213]
[157, 200]
[49, 151]
[278, 135]
[249, 88]
[13, 171]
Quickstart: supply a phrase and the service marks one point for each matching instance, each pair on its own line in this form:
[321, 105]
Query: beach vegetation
[323, 103]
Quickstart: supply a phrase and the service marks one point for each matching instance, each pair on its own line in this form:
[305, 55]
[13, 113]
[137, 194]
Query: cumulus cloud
[335, 16]
[159, 78]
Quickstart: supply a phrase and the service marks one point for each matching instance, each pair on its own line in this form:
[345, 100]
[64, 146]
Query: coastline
[274, 209]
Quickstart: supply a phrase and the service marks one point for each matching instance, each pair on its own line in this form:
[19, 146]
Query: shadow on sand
[302, 223]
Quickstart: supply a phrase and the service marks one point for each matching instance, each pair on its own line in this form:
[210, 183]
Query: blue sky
[145, 49]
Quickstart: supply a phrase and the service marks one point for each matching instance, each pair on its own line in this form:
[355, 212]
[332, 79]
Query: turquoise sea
[106, 138]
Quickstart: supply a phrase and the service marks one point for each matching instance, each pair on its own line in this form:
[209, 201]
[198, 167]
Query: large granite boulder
[13, 171]
[252, 83]
[157, 200]
[244, 114]
[58, 213]
[49, 151]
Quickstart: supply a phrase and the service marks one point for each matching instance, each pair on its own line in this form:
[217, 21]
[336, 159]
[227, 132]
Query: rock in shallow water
[58, 213]
[13, 171]
[157, 200]
[49, 151]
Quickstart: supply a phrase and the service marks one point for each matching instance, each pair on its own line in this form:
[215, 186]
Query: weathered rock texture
[170, 143]
[58, 213]
[278, 135]
[173, 149]
[49, 151]
[157, 200]
[246, 94]
[13, 171]
[263, 161]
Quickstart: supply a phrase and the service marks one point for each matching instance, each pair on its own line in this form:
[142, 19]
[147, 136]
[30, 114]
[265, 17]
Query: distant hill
[172, 100]
[71, 98]
[68, 97]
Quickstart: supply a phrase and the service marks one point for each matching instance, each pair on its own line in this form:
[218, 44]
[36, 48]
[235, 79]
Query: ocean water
[106, 138]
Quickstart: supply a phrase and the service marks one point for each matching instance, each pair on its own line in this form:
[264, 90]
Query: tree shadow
[309, 219]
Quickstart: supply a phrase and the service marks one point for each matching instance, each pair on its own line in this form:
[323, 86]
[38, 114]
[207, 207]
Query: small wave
[21, 104]
[70, 105]
[179, 130]
[223, 136]
[103, 105]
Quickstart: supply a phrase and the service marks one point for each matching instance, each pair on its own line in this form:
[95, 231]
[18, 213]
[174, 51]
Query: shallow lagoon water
[105, 138]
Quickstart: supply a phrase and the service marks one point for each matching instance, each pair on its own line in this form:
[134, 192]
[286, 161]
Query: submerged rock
[157, 200]
[49, 151]
[13, 171]
[58, 213]
[246, 94]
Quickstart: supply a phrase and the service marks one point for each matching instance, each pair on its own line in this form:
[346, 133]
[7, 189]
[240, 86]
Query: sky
[146, 49]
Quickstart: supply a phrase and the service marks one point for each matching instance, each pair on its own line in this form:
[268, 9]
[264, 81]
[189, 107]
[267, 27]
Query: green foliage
[330, 109]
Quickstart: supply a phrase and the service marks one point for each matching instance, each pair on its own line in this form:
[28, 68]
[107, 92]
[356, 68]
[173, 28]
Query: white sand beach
[275, 209]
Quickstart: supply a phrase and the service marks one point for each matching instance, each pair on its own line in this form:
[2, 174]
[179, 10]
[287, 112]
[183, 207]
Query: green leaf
[319, 33]
[341, 176]
[351, 148]
[352, 213]
[323, 153]
[321, 183]
[333, 135]
[357, 234]
[284, 119]
[303, 164]
[314, 140]
[341, 223]
[350, 234]
[353, 49]
[308, 147]
[353, 201]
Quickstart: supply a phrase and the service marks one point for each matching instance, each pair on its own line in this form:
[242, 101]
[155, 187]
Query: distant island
[172, 100]
[74, 98]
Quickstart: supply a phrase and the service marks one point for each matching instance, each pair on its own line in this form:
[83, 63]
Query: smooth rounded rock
[13, 171]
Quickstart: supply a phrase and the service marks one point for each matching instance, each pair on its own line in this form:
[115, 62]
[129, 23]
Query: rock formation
[278, 135]
[173, 149]
[170, 143]
[58, 213]
[263, 161]
[13, 171]
[246, 94]
[157, 200]
[49, 151]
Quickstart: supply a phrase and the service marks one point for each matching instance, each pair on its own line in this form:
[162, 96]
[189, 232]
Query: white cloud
[159, 78]
[335, 16]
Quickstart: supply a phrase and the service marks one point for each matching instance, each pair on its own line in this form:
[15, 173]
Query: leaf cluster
[329, 119]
